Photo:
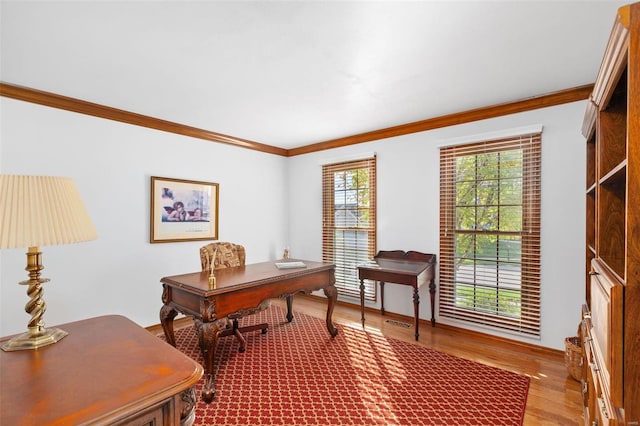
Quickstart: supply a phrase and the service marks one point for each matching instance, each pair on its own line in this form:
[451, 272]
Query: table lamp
[39, 211]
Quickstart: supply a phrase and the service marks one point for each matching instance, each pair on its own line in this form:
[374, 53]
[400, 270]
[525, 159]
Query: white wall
[112, 164]
[266, 202]
[408, 208]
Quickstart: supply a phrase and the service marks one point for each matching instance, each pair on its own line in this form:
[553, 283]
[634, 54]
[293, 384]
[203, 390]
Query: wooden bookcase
[611, 315]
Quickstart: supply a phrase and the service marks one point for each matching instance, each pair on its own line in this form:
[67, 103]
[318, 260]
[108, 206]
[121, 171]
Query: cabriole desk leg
[167, 314]
[332, 296]
[208, 333]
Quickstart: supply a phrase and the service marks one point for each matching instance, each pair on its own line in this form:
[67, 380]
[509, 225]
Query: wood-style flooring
[554, 397]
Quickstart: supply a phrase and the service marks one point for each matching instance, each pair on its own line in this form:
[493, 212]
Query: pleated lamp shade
[41, 211]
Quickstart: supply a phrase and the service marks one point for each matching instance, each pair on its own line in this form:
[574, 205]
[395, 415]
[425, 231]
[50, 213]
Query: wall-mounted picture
[183, 210]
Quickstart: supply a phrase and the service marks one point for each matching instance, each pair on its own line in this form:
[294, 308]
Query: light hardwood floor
[554, 397]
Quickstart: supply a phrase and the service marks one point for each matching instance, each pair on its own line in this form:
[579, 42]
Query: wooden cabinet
[611, 315]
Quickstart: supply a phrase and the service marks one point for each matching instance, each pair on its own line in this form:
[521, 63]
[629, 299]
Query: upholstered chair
[229, 255]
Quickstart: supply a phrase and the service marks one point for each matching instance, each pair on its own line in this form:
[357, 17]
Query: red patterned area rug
[296, 374]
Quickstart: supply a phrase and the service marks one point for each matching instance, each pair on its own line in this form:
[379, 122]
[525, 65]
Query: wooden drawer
[606, 333]
[163, 414]
[602, 344]
[598, 409]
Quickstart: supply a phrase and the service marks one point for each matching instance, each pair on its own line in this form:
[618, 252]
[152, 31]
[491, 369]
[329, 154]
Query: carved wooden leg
[432, 295]
[167, 314]
[381, 297]
[416, 310]
[289, 308]
[208, 333]
[332, 296]
[188, 407]
[362, 301]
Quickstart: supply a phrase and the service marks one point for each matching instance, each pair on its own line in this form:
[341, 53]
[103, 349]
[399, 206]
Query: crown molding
[83, 107]
[89, 108]
[551, 99]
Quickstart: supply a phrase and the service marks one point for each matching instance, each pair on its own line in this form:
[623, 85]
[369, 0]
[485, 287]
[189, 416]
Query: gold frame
[170, 224]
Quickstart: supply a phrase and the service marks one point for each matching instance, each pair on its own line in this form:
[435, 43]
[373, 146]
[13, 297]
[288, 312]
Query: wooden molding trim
[178, 323]
[453, 329]
[556, 98]
[188, 320]
[614, 63]
[83, 107]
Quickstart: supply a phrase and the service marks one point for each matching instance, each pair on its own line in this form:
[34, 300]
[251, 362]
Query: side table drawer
[159, 415]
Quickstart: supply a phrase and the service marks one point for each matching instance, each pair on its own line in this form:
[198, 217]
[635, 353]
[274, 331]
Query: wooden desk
[411, 268]
[107, 370]
[239, 289]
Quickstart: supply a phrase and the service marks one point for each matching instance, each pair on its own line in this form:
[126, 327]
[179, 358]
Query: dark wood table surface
[108, 369]
[407, 268]
[239, 289]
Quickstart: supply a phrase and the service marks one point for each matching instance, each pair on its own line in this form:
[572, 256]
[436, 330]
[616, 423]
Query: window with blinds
[490, 233]
[349, 222]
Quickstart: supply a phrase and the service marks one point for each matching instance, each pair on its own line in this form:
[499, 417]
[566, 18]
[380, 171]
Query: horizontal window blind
[349, 221]
[490, 233]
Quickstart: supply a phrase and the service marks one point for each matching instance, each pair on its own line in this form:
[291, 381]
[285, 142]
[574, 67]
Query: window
[349, 222]
[490, 233]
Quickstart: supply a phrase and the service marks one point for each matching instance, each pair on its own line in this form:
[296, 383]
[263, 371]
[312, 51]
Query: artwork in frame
[183, 210]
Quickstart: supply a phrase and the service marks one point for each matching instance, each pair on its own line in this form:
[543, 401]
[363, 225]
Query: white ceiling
[292, 73]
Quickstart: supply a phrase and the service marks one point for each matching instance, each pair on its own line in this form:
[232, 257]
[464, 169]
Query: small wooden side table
[408, 268]
[108, 370]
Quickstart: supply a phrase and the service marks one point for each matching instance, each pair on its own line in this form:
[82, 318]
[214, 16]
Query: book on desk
[290, 265]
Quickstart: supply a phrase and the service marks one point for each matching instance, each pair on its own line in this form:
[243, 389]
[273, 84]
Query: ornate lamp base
[37, 336]
[27, 341]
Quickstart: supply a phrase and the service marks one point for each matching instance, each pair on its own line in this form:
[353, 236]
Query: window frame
[347, 282]
[528, 321]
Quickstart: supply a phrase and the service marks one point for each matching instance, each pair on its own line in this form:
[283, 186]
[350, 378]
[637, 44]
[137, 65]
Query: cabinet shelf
[610, 325]
[611, 226]
[616, 176]
[611, 130]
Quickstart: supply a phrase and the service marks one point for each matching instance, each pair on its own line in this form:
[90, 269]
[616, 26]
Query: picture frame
[183, 210]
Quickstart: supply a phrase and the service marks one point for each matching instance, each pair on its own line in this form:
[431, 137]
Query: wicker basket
[573, 356]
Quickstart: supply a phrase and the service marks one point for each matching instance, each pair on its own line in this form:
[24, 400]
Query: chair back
[227, 255]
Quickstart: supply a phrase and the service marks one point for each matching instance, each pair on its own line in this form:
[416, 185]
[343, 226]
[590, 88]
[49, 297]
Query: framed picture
[183, 210]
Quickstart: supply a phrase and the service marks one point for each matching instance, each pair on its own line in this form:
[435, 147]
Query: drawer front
[162, 414]
[607, 295]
